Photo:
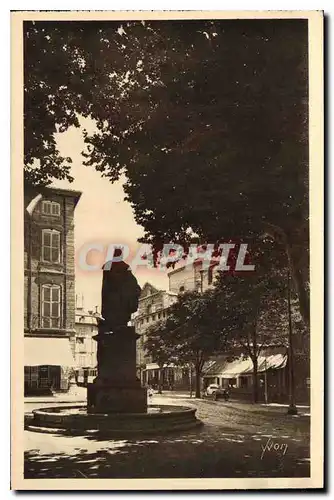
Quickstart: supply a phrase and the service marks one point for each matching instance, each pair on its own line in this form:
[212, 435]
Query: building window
[31, 376]
[148, 309]
[50, 245]
[50, 208]
[50, 306]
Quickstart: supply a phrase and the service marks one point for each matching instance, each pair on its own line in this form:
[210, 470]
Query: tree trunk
[160, 381]
[303, 297]
[197, 383]
[293, 256]
[254, 353]
[255, 380]
[191, 381]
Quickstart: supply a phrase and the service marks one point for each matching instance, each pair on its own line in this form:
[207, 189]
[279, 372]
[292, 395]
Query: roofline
[46, 190]
[151, 295]
[71, 193]
[167, 292]
[195, 263]
[149, 284]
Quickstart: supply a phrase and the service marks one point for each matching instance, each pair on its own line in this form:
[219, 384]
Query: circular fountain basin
[76, 420]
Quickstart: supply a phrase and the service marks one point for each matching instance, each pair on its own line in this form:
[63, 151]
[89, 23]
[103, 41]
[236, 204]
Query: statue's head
[118, 252]
[117, 263]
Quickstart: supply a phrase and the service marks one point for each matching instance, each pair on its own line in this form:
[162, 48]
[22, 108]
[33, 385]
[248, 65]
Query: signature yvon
[275, 446]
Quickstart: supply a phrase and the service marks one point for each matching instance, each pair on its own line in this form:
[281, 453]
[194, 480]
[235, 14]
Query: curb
[115, 434]
[56, 401]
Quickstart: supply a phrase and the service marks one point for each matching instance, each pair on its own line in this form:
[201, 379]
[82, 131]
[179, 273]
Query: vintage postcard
[167, 250]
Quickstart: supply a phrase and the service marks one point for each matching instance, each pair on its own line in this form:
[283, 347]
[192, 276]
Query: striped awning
[244, 366]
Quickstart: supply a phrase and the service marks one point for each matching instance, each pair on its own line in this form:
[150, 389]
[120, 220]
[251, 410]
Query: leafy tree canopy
[156, 344]
[195, 328]
[212, 114]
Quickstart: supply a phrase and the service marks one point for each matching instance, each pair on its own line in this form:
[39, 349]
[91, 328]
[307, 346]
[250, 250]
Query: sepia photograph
[167, 250]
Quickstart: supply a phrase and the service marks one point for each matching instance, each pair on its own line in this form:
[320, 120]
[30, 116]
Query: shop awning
[273, 362]
[155, 366]
[47, 351]
[245, 366]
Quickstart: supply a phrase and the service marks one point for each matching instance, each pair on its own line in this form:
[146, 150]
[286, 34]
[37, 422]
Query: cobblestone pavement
[236, 440]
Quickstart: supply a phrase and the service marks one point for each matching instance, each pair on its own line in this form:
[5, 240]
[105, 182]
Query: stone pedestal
[116, 388]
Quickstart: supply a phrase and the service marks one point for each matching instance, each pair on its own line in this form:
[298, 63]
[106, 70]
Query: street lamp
[265, 382]
[292, 410]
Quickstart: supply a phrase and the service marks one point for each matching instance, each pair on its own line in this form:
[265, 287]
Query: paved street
[237, 440]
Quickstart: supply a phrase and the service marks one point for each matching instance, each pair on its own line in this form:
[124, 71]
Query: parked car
[217, 392]
[211, 389]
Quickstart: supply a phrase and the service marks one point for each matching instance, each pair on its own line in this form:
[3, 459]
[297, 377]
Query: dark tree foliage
[209, 121]
[195, 331]
[102, 70]
[191, 334]
[254, 305]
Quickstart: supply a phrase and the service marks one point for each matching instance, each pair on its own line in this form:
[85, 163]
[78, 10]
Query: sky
[101, 217]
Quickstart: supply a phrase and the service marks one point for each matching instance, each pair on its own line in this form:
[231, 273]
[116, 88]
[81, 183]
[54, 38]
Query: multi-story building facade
[197, 276]
[85, 347]
[153, 307]
[49, 287]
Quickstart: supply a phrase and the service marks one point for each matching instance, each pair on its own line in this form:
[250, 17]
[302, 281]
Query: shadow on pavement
[207, 452]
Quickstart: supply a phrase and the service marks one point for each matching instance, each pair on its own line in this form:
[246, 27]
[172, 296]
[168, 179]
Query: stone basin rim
[60, 411]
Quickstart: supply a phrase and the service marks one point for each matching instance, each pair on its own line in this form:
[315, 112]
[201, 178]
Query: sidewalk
[274, 409]
[79, 395]
[74, 395]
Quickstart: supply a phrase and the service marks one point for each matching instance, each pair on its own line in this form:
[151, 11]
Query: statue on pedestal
[116, 388]
[120, 294]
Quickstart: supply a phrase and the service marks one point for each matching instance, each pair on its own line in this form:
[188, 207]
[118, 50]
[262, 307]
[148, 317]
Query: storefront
[171, 377]
[153, 376]
[237, 375]
[48, 365]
